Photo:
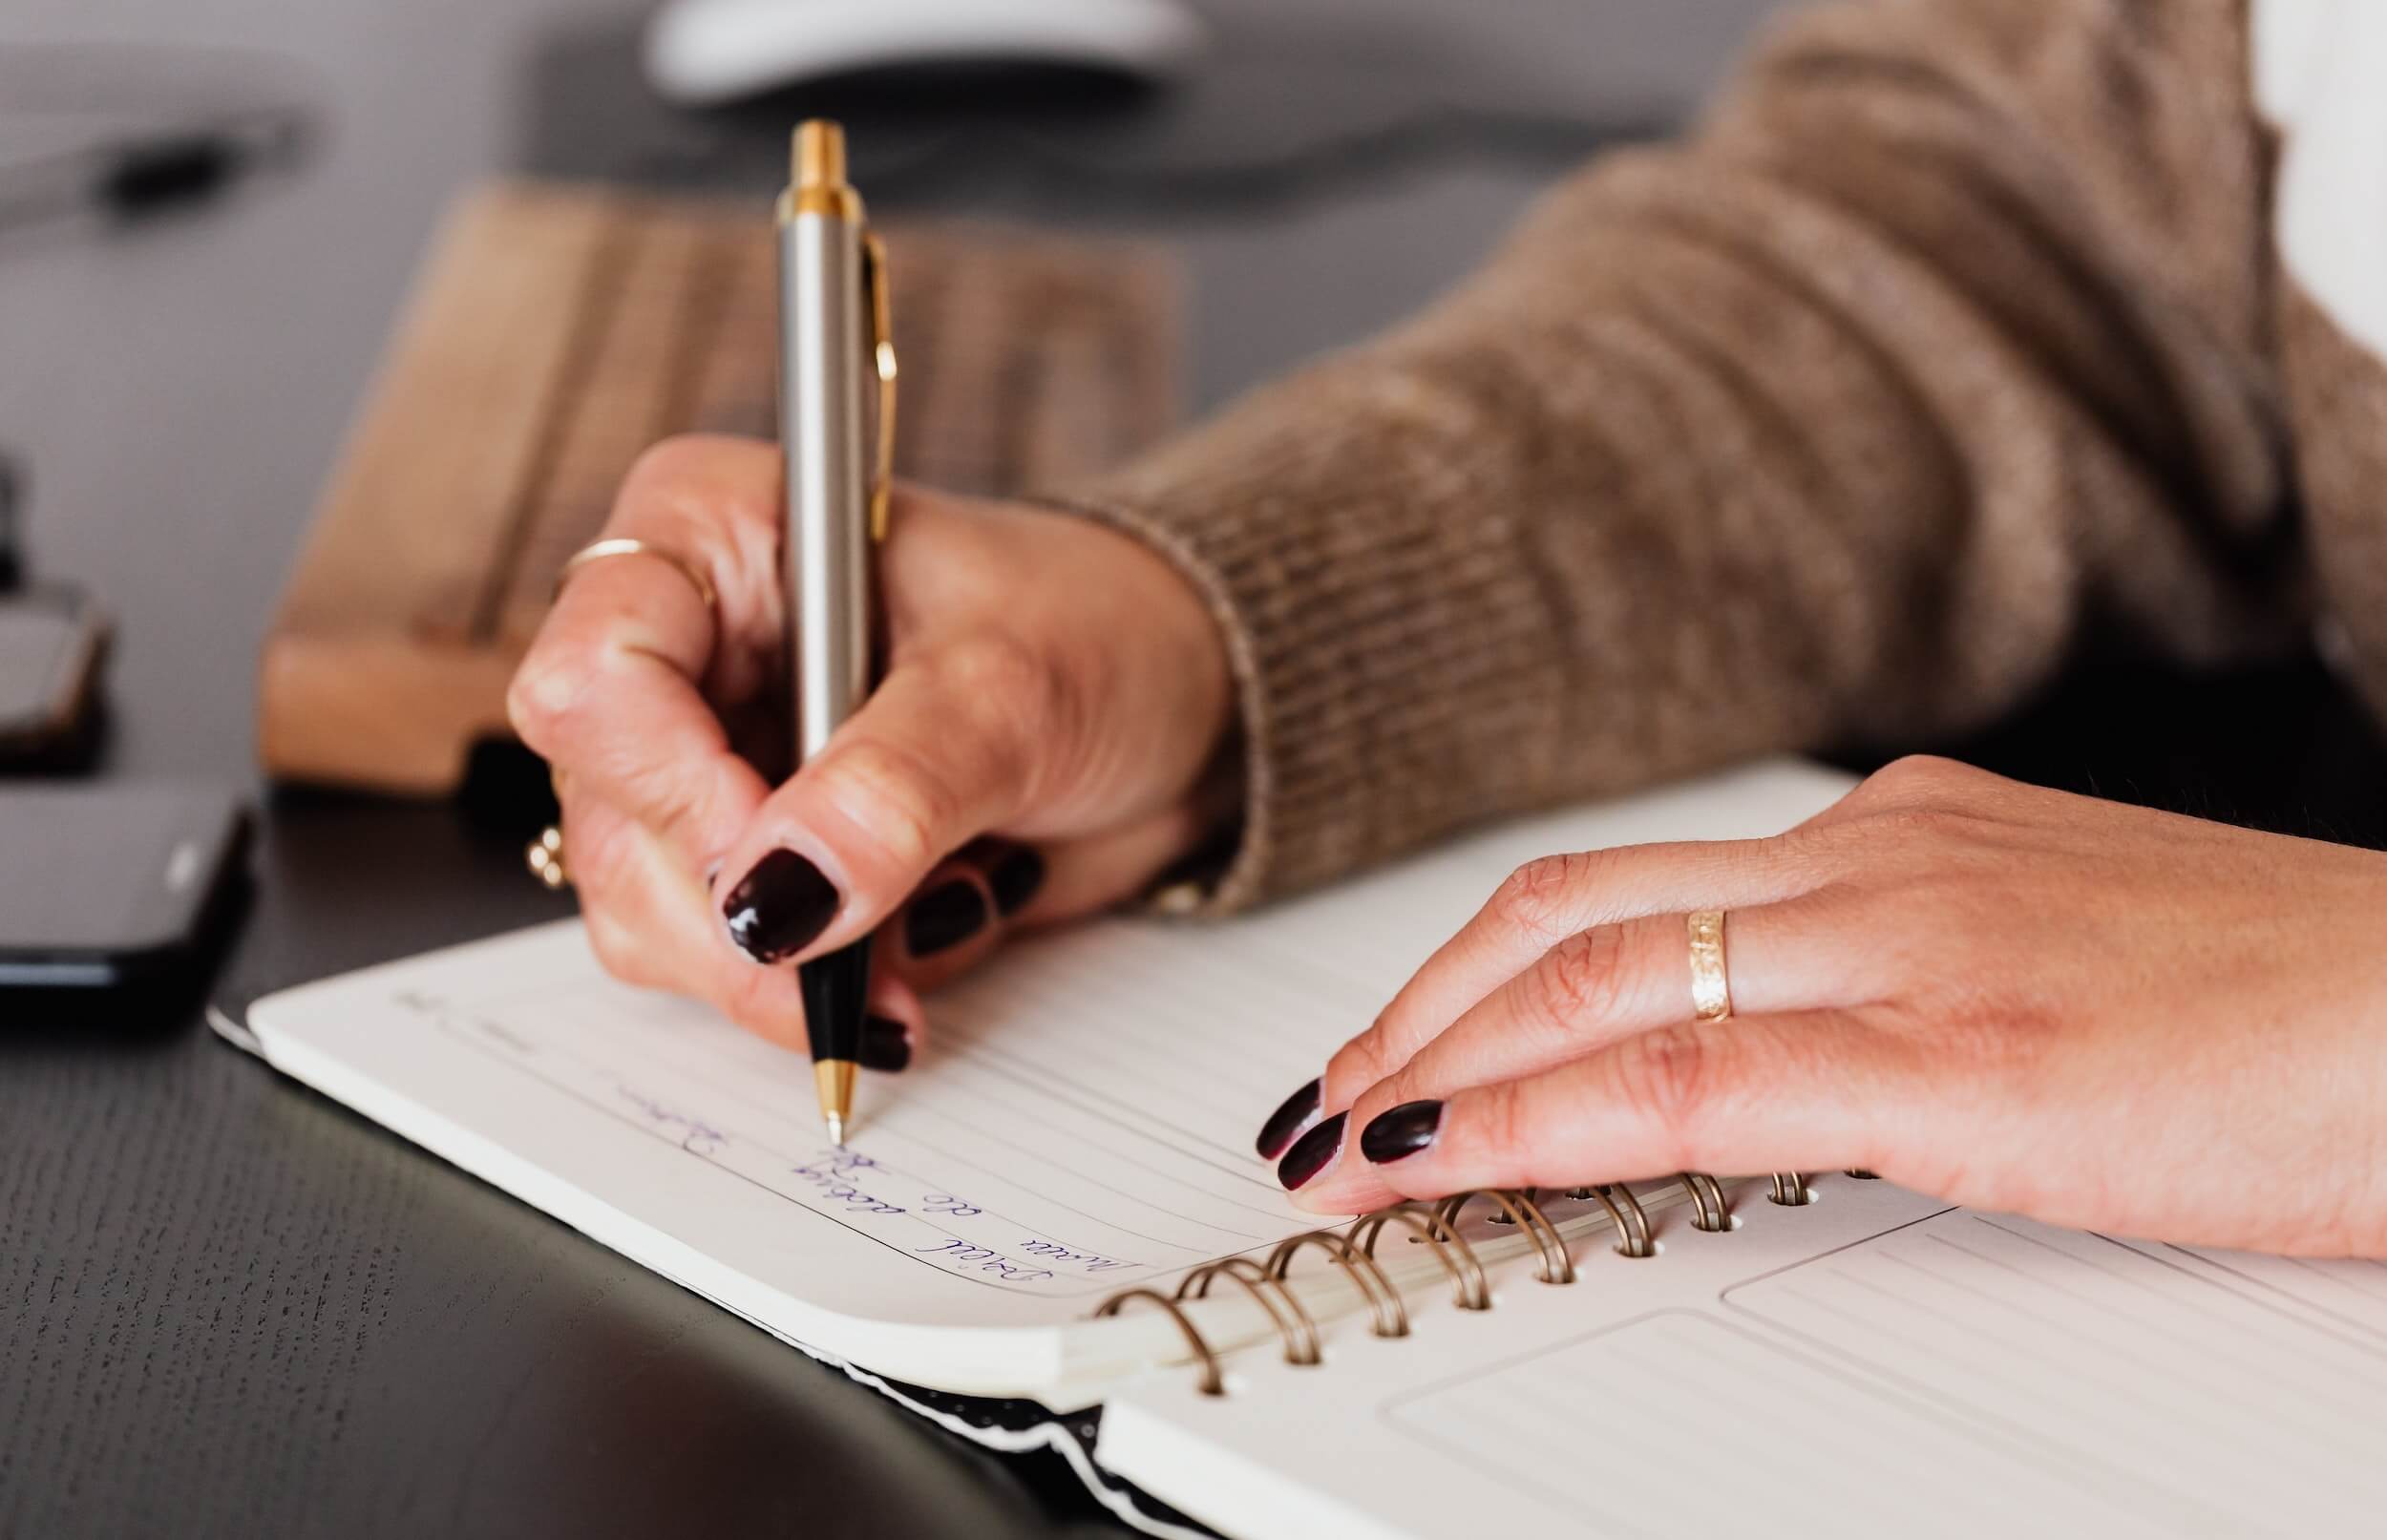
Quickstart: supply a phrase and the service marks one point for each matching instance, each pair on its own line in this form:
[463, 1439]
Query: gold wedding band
[623, 545]
[545, 858]
[1711, 992]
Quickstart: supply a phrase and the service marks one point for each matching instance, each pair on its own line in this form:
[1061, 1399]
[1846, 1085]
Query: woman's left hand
[2095, 1015]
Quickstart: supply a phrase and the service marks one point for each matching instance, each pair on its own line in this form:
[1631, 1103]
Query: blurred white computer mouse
[700, 51]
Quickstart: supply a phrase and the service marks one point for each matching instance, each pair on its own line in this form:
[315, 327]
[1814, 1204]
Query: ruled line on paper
[2087, 1347]
[641, 1074]
[615, 1112]
[1210, 1037]
[1141, 1066]
[1142, 1205]
[2320, 1286]
[926, 1096]
[1156, 1240]
[1113, 1153]
[1700, 1426]
[2218, 1333]
[1034, 1076]
[2113, 1358]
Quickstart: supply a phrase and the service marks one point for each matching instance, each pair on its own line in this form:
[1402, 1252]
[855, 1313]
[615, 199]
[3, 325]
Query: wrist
[1173, 642]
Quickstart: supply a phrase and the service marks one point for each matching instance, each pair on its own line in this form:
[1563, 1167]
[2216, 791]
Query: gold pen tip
[819, 157]
[834, 1078]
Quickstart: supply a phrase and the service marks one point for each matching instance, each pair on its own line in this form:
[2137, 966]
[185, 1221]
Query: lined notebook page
[1080, 1122]
[2139, 1378]
[1874, 1364]
[2342, 1296]
[989, 1173]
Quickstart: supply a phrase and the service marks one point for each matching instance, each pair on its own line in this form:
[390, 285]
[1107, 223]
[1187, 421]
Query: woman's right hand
[1054, 694]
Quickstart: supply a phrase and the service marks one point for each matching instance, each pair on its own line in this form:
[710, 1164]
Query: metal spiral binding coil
[1710, 1209]
[1292, 1322]
[1520, 1208]
[1472, 1291]
[1383, 1299]
[1437, 1226]
[1214, 1383]
[1626, 1213]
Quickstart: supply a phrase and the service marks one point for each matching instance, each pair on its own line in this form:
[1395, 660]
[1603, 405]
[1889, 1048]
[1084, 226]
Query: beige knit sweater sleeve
[1943, 345]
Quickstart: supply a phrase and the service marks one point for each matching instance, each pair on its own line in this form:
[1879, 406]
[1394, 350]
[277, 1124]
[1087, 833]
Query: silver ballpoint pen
[836, 370]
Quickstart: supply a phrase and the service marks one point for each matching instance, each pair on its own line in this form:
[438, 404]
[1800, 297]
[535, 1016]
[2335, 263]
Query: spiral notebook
[1058, 1206]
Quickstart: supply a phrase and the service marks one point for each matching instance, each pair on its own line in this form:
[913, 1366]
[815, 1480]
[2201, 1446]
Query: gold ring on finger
[1711, 990]
[606, 550]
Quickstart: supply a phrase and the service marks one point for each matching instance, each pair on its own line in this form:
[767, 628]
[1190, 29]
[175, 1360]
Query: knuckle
[905, 803]
[543, 694]
[1909, 825]
[1923, 778]
[1581, 978]
[665, 797]
[1538, 898]
[1499, 1118]
[1919, 841]
[1672, 1076]
[669, 464]
[1007, 694]
[993, 666]
[1356, 1065]
[706, 492]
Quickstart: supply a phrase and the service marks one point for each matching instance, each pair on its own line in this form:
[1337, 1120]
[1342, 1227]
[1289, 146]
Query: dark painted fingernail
[780, 907]
[886, 1043]
[1015, 880]
[944, 917]
[1400, 1132]
[1313, 1152]
[1286, 1120]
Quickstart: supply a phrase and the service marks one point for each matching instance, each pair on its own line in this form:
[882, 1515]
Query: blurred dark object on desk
[101, 135]
[53, 645]
[559, 332]
[139, 886]
[11, 524]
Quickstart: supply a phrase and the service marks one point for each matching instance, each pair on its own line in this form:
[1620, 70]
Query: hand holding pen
[1034, 752]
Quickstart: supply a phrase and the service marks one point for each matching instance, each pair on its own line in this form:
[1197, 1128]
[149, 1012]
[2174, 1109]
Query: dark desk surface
[229, 1307]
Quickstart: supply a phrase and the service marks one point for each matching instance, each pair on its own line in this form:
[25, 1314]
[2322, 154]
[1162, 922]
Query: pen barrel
[823, 403]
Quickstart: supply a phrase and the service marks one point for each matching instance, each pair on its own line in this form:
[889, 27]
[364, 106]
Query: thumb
[947, 746]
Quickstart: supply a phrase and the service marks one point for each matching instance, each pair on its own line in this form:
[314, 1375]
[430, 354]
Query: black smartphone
[51, 644]
[115, 887]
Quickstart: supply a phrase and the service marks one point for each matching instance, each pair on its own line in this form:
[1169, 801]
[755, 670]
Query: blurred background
[178, 391]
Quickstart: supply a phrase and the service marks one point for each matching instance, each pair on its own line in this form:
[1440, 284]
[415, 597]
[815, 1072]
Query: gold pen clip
[883, 358]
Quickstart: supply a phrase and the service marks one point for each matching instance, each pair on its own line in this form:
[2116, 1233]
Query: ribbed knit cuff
[1392, 654]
